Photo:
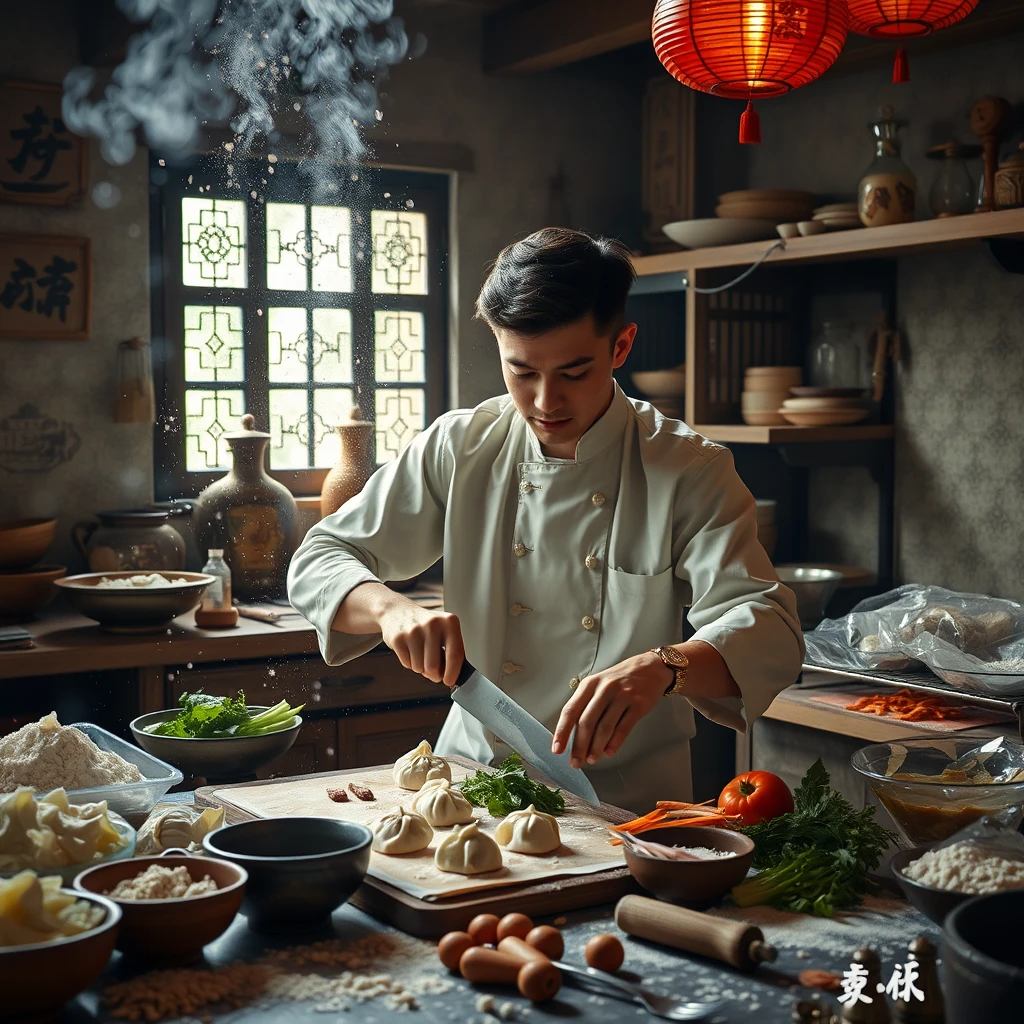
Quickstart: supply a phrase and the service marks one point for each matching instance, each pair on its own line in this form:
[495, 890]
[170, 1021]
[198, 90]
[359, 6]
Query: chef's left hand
[605, 707]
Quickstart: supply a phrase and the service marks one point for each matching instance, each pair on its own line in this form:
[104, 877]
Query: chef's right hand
[428, 642]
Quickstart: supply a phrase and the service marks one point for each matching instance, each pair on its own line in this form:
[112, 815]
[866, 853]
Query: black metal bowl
[934, 903]
[300, 869]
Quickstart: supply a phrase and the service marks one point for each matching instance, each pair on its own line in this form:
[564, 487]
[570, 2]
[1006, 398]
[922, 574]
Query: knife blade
[495, 710]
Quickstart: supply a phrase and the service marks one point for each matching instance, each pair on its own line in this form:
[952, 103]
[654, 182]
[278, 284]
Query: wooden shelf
[741, 433]
[857, 243]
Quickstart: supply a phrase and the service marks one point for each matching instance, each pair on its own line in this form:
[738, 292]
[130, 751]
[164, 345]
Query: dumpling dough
[468, 851]
[419, 766]
[529, 831]
[400, 831]
[441, 805]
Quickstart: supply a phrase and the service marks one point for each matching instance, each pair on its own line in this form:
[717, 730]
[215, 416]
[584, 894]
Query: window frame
[429, 193]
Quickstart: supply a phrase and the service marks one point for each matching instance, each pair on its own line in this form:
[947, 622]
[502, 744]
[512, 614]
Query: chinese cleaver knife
[496, 711]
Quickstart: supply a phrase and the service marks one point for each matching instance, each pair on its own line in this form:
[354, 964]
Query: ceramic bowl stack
[767, 530]
[765, 388]
[25, 587]
[838, 216]
[776, 205]
[664, 389]
[825, 407]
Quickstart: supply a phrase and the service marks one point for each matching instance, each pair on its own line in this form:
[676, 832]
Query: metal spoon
[669, 1007]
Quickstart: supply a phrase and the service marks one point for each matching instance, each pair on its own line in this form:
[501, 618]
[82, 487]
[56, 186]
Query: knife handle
[464, 673]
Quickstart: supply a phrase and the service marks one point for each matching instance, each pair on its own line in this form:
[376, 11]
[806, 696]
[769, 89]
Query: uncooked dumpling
[468, 851]
[529, 831]
[419, 766]
[441, 805]
[400, 831]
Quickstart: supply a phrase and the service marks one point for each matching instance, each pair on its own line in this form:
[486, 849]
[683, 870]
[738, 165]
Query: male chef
[576, 526]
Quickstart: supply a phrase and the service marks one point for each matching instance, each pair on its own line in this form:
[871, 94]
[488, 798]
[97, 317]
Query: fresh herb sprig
[204, 716]
[815, 859]
[508, 788]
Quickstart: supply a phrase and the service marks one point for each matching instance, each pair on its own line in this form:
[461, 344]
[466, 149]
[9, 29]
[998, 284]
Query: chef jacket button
[519, 550]
[598, 499]
[509, 667]
[526, 487]
[518, 609]
[589, 622]
[574, 682]
[590, 561]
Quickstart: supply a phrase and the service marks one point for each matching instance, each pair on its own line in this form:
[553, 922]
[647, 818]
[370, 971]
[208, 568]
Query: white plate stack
[766, 527]
[824, 411]
[765, 388]
[838, 216]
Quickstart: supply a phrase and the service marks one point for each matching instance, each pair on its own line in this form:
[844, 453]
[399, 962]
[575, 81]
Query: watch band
[678, 662]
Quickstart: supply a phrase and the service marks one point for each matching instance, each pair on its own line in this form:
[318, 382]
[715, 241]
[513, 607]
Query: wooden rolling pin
[733, 942]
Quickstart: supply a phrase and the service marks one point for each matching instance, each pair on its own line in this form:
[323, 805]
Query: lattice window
[296, 312]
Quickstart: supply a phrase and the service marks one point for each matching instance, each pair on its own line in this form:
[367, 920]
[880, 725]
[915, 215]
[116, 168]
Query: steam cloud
[197, 62]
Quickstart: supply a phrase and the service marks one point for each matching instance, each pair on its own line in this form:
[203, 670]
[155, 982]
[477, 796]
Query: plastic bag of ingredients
[180, 827]
[995, 834]
[968, 640]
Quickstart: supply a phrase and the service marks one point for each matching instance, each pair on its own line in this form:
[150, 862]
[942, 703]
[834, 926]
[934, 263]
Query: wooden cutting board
[431, 919]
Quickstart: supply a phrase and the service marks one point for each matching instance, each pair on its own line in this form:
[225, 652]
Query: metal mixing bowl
[139, 610]
[220, 759]
[813, 589]
[300, 869]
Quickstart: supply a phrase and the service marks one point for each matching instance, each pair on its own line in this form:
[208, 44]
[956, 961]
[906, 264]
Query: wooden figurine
[869, 1005]
[929, 1007]
[990, 118]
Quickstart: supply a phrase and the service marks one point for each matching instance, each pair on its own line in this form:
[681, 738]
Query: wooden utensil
[990, 117]
[733, 942]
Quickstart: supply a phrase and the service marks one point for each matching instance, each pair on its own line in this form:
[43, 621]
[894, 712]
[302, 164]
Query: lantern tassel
[901, 66]
[750, 125]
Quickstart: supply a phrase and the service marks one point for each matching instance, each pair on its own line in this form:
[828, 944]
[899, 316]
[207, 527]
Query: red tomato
[756, 796]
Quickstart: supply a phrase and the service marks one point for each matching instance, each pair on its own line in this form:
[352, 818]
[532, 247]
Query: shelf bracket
[1008, 253]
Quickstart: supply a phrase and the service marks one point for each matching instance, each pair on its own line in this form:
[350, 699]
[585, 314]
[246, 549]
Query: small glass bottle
[216, 608]
[887, 193]
[953, 192]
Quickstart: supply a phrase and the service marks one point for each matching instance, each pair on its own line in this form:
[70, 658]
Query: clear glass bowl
[929, 810]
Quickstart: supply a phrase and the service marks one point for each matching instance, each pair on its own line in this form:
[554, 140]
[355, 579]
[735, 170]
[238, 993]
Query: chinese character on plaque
[41, 161]
[45, 287]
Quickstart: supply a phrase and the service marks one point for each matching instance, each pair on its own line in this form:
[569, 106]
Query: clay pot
[251, 516]
[356, 463]
[130, 539]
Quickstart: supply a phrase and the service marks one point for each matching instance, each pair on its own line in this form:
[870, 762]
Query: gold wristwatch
[678, 662]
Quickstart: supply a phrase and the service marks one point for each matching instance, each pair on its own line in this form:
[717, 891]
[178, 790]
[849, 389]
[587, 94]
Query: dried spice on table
[906, 706]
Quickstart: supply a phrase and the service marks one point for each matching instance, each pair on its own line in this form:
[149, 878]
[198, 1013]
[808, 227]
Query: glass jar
[837, 356]
[133, 400]
[953, 192]
[217, 596]
[887, 193]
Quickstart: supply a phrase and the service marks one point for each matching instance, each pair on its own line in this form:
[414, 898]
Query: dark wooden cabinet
[315, 750]
[381, 737]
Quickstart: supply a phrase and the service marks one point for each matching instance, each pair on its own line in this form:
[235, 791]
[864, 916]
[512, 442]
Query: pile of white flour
[46, 755]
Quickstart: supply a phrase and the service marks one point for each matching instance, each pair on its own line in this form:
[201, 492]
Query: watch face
[671, 655]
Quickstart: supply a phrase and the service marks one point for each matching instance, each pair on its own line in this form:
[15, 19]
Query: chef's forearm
[708, 674]
[365, 606]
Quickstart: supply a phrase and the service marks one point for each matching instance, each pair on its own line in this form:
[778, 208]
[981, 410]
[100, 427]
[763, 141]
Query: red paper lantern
[905, 19]
[747, 49]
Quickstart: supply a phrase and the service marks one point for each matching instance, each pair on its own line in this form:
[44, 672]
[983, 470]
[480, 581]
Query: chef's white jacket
[560, 568]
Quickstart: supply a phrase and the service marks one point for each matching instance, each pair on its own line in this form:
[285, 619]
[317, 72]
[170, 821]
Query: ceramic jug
[130, 539]
[355, 465]
[887, 193]
[251, 516]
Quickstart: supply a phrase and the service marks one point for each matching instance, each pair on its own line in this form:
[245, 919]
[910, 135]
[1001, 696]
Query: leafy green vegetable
[815, 859]
[508, 788]
[203, 716]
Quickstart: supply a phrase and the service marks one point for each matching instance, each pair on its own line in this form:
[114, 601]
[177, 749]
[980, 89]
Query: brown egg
[518, 925]
[484, 929]
[539, 980]
[605, 953]
[452, 946]
[548, 940]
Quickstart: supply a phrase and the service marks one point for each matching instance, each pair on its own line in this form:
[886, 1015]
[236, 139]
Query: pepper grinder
[876, 1011]
[990, 117]
[932, 1008]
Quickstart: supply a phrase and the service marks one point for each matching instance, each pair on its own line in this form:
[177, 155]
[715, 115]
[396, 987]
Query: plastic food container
[129, 798]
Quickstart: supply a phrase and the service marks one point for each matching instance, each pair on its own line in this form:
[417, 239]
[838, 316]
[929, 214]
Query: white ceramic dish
[787, 230]
[823, 417]
[661, 383]
[810, 227]
[762, 401]
[712, 231]
[773, 371]
[763, 419]
[811, 404]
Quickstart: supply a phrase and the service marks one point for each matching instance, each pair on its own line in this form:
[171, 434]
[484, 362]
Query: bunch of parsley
[815, 859]
[204, 716]
[508, 788]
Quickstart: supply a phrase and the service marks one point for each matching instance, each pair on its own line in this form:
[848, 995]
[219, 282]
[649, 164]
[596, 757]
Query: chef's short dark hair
[555, 277]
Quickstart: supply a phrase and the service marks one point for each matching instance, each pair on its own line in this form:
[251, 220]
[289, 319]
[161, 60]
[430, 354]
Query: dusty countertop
[764, 997]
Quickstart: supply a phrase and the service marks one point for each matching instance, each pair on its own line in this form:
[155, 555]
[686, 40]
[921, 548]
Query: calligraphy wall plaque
[45, 287]
[33, 441]
[41, 160]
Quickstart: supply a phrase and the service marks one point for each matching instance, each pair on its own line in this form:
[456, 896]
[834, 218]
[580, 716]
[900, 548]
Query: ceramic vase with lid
[356, 463]
[251, 516]
[130, 539]
[887, 193]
